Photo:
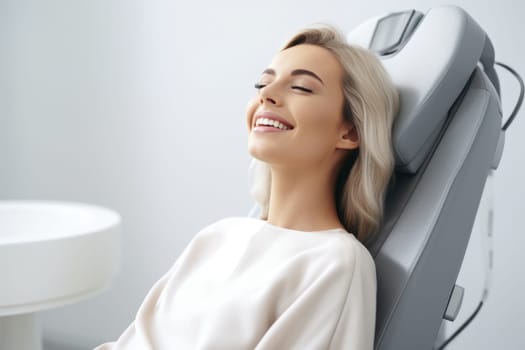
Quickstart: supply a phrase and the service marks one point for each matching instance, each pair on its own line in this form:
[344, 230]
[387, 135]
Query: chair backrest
[446, 138]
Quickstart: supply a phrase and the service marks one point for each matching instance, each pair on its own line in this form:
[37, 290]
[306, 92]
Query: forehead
[311, 57]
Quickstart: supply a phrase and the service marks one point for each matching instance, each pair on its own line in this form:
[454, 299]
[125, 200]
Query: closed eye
[301, 88]
[259, 86]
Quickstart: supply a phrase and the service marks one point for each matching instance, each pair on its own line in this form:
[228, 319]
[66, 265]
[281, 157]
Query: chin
[258, 153]
[266, 154]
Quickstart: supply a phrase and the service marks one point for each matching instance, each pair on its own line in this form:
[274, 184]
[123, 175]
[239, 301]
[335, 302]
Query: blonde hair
[370, 103]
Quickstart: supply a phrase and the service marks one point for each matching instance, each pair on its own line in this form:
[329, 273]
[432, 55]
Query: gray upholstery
[430, 71]
[446, 139]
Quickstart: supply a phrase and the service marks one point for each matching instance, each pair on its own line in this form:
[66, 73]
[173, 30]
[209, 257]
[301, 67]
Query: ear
[348, 137]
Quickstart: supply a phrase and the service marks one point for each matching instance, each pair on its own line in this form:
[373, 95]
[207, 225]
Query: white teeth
[271, 122]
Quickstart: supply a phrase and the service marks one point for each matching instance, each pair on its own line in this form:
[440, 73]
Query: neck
[303, 199]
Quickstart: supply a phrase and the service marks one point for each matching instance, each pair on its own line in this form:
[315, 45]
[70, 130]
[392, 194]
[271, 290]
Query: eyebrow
[295, 72]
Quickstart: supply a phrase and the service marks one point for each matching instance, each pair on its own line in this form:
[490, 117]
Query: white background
[139, 106]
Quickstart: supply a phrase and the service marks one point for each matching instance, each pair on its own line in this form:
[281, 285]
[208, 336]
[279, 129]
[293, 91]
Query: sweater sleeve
[356, 325]
[336, 310]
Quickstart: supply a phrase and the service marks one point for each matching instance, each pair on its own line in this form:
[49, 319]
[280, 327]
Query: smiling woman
[297, 278]
[343, 104]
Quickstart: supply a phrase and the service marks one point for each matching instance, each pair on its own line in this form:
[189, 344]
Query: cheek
[320, 128]
[320, 117]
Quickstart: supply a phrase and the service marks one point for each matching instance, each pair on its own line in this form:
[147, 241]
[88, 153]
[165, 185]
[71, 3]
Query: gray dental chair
[447, 137]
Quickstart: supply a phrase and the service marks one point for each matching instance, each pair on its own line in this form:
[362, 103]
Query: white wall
[139, 106]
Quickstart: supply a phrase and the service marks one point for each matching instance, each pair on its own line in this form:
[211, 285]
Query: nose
[268, 95]
[269, 99]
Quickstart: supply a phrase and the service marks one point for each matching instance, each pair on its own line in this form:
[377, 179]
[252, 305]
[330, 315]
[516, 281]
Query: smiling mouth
[272, 123]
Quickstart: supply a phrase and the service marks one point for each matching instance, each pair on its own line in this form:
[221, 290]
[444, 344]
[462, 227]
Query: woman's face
[296, 118]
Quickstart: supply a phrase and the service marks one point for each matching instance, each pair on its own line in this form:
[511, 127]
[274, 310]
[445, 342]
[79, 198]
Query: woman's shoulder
[334, 250]
[336, 247]
[346, 253]
[349, 242]
[362, 260]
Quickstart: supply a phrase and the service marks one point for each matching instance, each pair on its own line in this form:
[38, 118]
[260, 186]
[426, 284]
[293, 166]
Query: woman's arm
[336, 311]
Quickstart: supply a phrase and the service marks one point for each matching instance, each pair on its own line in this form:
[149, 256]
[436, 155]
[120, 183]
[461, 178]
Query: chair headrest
[430, 59]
